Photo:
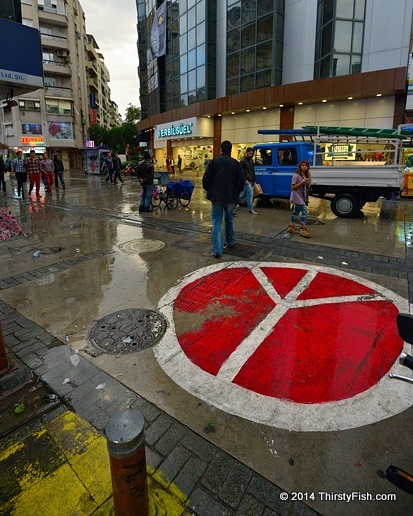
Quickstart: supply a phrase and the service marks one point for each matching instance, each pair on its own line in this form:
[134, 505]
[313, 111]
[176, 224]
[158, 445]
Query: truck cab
[276, 163]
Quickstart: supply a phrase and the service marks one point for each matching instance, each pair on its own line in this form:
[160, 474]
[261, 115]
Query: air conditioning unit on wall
[62, 53]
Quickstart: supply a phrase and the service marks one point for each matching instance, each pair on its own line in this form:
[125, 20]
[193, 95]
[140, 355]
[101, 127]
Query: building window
[59, 107]
[339, 38]
[29, 105]
[251, 28]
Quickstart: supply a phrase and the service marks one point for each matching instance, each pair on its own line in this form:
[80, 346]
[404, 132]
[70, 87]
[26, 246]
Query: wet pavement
[316, 440]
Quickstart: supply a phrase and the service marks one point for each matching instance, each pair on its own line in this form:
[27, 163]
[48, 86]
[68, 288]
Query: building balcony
[92, 68]
[52, 17]
[52, 41]
[93, 84]
[58, 92]
[56, 67]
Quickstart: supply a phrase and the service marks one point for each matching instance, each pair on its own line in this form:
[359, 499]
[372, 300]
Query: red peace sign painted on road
[274, 342]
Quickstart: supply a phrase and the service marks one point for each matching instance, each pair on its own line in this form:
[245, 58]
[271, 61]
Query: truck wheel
[345, 206]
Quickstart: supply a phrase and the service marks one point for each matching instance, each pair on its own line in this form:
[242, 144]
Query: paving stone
[153, 459]
[173, 463]
[199, 446]
[217, 472]
[301, 509]
[250, 506]
[235, 485]
[268, 493]
[203, 504]
[45, 337]
[32, 360]
[189, 475]
[149, 411]
[170, 438]
[158, 428]
[10, 340]
[29, 349]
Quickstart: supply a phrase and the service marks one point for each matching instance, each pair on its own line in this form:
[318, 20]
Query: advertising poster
[61, 130]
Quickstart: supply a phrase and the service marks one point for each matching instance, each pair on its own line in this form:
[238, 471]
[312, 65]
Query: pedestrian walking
[117, 165]
[2, 172]
[145, 173]
[18, 169]
[179, 163]
[58, 171]
[223, 181]
[299, 187]
[108, 166]
[47, 170]
[172, 166]
[248, 167]
[32, 165]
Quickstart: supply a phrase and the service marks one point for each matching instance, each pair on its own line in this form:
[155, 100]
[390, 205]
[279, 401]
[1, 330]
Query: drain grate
[127, 331]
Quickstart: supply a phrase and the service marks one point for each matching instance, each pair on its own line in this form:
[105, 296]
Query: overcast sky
[113, 24]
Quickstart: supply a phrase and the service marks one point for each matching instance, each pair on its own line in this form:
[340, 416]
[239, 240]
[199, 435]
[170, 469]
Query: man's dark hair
[146, 155]
[249, 149]
[226, 147]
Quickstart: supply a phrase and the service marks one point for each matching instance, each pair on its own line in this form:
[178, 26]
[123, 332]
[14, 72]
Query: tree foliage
[118, 137]
[132, 114]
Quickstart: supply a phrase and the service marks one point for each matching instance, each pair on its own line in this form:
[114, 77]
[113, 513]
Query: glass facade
[254, 55]
[186, 74]
[339, 38]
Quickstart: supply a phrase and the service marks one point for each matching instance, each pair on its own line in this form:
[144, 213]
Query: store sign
[175, 130]
[90, 143]
[340, 152]
[32, 140]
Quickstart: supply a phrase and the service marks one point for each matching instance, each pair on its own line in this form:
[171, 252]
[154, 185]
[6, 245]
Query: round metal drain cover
[127, 331]
[142, 245]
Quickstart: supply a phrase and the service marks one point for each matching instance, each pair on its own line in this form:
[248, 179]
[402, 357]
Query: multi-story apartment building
[232, 67]
[56, 117]
[102, 110]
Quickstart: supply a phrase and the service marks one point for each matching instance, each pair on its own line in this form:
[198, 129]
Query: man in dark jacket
[117, 165]
[58, 171]
[145, 174]
[223, 181]
[248, 167]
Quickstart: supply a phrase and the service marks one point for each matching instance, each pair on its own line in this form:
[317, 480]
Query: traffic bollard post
[125, 435]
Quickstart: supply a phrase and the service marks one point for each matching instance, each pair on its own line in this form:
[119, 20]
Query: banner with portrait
[158, 32]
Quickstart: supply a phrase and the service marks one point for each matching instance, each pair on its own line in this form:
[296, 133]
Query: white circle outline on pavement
[385, 399]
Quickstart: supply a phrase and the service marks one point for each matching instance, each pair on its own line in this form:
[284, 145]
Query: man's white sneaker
[253, 212]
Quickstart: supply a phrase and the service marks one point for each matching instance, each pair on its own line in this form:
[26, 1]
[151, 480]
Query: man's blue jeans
[248, 194]
[219, 209]
[145, 203]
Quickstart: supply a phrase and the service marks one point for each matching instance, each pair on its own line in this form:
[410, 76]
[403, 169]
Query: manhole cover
[127, 331]
[142, 245]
